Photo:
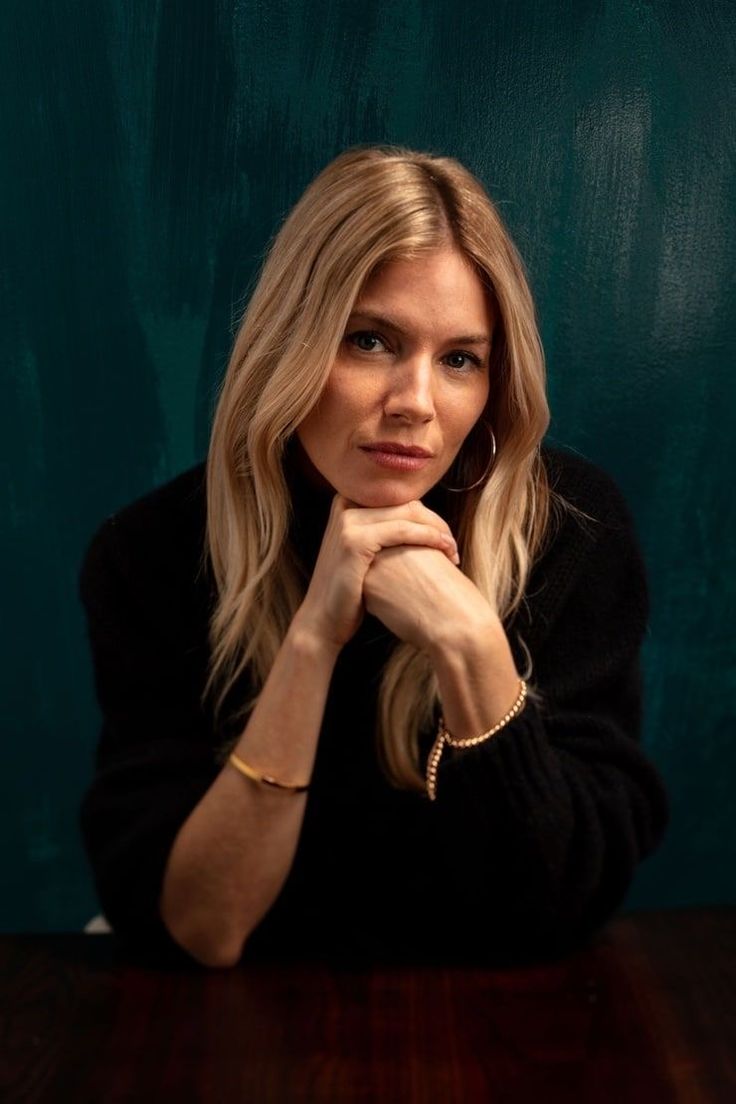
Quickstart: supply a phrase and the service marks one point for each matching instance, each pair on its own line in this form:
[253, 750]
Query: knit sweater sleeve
[154, 762]
[541, 827]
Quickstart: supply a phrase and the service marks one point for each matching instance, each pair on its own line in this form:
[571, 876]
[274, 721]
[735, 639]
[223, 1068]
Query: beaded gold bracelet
[265, 779]
[443, 737]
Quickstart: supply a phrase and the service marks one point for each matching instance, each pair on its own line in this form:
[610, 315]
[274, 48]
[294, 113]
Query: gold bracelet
[443, 737]
[265, 779]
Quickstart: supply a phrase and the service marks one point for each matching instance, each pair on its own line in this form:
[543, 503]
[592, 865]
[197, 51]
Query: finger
[449, 551]
[414, 511]
[389, 534]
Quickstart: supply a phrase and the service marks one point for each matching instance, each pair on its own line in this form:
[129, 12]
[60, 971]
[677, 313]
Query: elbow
[219, 958]
[200, 945]
[216, 956]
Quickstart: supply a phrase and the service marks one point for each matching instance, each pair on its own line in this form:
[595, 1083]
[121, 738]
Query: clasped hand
[395, 562]
[419, 594]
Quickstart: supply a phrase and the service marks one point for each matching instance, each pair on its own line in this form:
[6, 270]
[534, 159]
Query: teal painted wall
[151, 150]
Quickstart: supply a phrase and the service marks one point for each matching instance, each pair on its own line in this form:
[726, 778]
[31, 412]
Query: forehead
[446, 263]
[441, 288]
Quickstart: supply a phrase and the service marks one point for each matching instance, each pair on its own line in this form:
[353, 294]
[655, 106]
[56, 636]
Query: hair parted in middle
[371, 204]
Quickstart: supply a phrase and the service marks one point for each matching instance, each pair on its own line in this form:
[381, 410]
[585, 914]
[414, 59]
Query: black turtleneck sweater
[534, 837]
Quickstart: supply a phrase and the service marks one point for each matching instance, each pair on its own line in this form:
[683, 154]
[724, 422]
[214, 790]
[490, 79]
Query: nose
[411, 390]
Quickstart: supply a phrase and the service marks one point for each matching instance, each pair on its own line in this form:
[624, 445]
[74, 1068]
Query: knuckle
[345, 539]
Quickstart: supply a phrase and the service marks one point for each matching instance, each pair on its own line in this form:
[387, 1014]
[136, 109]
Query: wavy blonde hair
[369, 205]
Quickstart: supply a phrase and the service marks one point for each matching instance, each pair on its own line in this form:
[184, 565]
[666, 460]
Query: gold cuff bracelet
[264, 779]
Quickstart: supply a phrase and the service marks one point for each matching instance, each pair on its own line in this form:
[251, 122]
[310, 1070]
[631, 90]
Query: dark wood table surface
[646, 1012]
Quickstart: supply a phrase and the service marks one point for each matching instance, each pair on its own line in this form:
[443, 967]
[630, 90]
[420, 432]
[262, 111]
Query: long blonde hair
[369, 205]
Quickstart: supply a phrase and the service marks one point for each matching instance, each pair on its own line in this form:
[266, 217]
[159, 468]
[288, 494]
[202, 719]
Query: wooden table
[647, 1012]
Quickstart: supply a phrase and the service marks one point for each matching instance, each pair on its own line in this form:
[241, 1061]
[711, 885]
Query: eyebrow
[394, 324]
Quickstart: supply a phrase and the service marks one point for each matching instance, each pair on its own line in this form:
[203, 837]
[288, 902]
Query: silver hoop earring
[485, 473]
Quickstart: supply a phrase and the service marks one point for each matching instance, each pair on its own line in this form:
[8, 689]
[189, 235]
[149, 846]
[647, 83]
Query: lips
[396, 461]
[399, 450]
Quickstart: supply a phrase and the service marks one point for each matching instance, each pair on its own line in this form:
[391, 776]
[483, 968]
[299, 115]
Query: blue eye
[371, 335]
[468, 356]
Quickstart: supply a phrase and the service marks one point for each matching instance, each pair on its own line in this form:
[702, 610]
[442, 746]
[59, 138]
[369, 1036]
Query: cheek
[478, 405]
[345, 402]
[465, 418]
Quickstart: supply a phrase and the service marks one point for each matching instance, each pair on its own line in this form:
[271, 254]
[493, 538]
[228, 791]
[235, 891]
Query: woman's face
[413, 370]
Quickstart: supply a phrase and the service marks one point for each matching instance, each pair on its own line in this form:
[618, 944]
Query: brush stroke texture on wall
[151, 151]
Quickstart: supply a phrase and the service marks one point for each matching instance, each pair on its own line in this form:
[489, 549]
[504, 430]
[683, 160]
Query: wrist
[477, 678]
[305, 637]
[450, 641]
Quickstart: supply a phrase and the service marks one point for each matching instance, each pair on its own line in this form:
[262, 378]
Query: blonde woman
[370, 676]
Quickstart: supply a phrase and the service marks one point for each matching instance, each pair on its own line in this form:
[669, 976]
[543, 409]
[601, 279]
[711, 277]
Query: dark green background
[151, 151]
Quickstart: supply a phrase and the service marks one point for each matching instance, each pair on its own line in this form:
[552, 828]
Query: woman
[370, 677]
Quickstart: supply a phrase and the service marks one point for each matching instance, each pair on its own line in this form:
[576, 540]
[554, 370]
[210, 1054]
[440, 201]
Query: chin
[387, 495]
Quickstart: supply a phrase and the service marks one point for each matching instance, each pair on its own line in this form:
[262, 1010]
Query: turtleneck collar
[311, 505]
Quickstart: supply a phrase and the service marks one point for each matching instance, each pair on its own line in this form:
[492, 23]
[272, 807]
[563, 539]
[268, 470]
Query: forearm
[477, 678]
[234, 852]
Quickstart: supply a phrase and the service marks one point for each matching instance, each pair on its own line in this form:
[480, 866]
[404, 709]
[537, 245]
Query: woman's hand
[333, 606]
[421, 597]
